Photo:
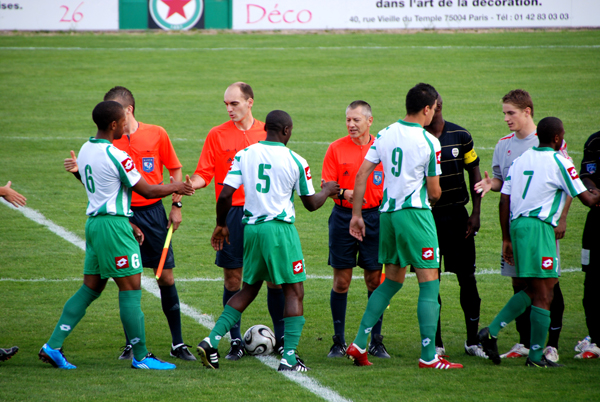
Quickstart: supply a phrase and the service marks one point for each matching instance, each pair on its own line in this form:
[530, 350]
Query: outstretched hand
[12, 196]
[185, 188]
[71, 163]
[332, 187]
[484, 185]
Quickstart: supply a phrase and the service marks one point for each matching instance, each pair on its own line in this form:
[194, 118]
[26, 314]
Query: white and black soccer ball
[259, 340]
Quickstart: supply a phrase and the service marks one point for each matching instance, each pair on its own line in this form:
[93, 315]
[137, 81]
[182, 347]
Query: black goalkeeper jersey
[591, 159]
[458, 154]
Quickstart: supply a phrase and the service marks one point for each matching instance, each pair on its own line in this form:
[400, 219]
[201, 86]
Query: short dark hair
[419, 96]
[246, 89]
[520, 98]
[106, 112]
[277, 120]
[361, 103]
[123, 94]
[547, 128]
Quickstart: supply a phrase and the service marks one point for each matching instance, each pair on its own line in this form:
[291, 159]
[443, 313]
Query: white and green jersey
[538, 183]
[408, 154]
[270, 172]
[107, 174]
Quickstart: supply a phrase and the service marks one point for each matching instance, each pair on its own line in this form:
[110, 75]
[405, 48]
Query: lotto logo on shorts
[128, 165]
[427, 253]
[307, 171]
[298, 267]
[438, 157]
[573, 173]
[122, 262]
[547, 262]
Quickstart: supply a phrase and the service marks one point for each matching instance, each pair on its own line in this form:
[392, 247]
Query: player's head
[239, 99]
[278, 126]
[358, 119]
[123, 96]
[437, 117]
[551, 132]
[517, 107]
[109, 116]
[421, 99]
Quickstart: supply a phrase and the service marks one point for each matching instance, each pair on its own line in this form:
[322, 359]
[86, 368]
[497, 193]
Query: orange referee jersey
[220, 147]
[151, 149]
[341, 163]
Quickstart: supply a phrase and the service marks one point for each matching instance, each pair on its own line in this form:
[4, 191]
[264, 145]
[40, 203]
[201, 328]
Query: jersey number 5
[89, 180]
[262, 176]
[397, 161]
[530, 174]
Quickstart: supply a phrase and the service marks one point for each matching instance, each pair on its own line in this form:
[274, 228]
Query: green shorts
[534, 248]
[272, 252]
[408, 237]
[111, 251]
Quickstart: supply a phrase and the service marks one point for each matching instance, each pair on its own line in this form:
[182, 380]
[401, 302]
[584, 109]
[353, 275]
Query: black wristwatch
[177, 204]
[341, 194]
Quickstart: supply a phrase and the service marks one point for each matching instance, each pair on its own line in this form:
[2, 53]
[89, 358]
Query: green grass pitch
[49, 84]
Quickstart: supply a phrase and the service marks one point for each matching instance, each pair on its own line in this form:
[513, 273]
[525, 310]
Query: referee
[456, 230]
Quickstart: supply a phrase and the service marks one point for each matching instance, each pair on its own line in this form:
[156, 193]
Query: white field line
[293, 48]
[203, 319]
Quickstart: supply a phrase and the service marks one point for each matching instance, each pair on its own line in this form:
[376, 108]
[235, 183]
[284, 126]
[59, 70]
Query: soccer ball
[259, 340]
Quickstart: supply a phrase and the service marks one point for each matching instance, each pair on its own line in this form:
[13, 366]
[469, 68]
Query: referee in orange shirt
[220, 147]
[342, 161]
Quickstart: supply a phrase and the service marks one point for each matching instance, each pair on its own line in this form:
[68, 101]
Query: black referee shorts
[152, 221]
[458, 253]
[590, 255]
[232, 255]
[343, 248]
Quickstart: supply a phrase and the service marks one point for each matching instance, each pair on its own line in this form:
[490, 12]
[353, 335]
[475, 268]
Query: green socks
[540, 323]
[292, 332]
[229, 317]
[428, 312]
[73, 312]
[377, 304]
[514, 308]
[133, 321]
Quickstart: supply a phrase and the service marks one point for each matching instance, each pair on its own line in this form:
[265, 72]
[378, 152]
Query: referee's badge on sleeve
[377, 178]
[148, 164]
[591, 168]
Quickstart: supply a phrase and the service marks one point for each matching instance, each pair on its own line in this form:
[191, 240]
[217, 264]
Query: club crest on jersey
[377, 178]
[438, 157]
[148, 164]
[122, 262]
[455, 152]
[427, 253]
[128, 165]
[573, 173]
[547, 262]
[591, 168]
[298, 267]
[307, 171]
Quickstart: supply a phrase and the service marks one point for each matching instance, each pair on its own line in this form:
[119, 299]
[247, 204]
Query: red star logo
[176, 6]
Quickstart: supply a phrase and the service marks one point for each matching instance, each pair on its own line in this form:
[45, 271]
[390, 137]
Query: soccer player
[411, 165]
[111, 249]
[7, 353]
[270, 173]
[150, 149]
[590, 257]
[221, 145]
[533, 196]
[456, 230]
[341, 163]
[12, 196]
[517, 107]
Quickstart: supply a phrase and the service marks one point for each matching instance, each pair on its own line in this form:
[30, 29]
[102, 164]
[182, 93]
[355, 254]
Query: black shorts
[591, 239]
[458, 253]
[343, 247]
[232, 255]
[152, 221]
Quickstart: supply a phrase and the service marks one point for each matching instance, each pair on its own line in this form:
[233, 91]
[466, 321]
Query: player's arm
[434, 191]
[315, 201]
[561, 228]
[12, 196]
[507, 252]
[474, 221]
[357, 225]
[590, 198]
[175, 214]
[487, 184]
[159, 191]
[221, 232]
[198, 181]
[70, 165]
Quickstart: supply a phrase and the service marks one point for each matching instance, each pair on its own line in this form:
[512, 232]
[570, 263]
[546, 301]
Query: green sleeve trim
[302, 179]
[566, 177]
[431, 170]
